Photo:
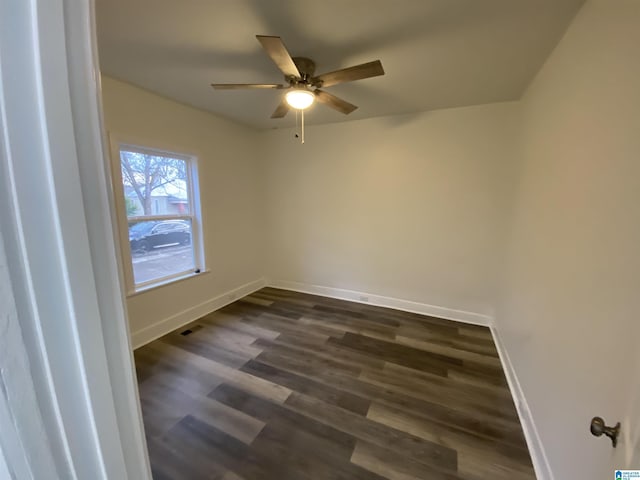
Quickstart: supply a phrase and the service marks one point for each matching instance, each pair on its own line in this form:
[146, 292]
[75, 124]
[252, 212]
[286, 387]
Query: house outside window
[159, 215]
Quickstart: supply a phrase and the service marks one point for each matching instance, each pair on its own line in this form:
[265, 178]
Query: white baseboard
[536, 449]
[389, 302]
[157, 330]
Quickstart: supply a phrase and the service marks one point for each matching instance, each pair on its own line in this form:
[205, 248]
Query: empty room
[265, 240]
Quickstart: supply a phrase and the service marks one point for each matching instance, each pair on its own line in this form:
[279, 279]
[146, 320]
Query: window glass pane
[160, 249]
[154, 184]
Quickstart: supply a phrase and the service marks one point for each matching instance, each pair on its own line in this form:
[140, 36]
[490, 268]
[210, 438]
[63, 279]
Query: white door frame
[64, 275]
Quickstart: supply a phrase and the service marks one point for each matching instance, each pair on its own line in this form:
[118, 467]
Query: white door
[68, 394]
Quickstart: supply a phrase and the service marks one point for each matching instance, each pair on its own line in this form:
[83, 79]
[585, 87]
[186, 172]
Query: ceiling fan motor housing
[307, 69]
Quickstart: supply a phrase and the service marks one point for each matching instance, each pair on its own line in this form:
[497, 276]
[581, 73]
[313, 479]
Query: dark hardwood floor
[282, 385]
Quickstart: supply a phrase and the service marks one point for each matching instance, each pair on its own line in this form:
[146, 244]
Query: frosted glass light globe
[300, 99]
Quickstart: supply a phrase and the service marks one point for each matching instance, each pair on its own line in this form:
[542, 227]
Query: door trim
[60, 243]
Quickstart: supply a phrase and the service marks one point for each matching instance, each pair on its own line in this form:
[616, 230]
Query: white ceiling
[436, 53]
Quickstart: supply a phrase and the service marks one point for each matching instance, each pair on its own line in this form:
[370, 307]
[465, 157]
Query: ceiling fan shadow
[198, 57]
[330, 51]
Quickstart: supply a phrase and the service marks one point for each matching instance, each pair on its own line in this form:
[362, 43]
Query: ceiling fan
[302, 84]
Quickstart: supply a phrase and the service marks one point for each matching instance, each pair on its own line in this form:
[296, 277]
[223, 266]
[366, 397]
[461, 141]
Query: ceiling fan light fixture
[300, 99]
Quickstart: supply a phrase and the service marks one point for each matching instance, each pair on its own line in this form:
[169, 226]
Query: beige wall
[569, 316]
[230, 194]
[411, 207]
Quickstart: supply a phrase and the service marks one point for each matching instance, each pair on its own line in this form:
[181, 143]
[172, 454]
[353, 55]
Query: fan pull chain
[301, 136]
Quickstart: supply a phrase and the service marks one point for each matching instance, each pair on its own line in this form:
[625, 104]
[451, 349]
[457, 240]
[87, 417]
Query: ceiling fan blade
[243, 86]
[334, 102]
[278, 52]
[364, 70]
[281, 110]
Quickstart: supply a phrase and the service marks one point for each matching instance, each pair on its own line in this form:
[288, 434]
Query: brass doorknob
[598, 428]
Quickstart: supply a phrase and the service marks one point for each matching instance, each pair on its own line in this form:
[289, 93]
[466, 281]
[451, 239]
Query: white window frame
[195, 216]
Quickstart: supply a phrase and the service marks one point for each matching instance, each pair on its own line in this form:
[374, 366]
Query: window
[159, 212]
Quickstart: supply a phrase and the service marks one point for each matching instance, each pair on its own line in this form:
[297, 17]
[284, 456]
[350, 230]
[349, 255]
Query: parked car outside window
[146, 236]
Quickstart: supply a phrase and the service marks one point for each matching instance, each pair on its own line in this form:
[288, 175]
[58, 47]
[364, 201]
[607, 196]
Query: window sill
[165, 283]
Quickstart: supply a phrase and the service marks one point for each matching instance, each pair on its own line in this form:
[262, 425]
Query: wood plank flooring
[282, 385]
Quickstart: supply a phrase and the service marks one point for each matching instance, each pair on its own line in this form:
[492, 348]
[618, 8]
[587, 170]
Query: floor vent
[186, 332]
